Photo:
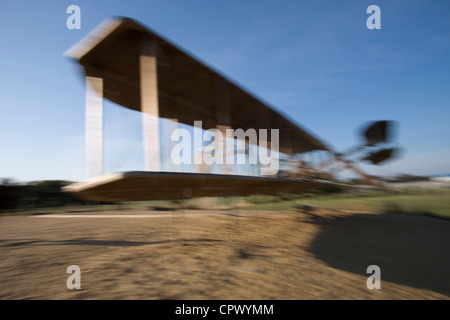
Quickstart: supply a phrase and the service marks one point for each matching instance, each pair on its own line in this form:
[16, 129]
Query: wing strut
[94, 126]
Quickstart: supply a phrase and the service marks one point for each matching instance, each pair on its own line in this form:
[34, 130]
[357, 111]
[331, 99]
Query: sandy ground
[304, 253]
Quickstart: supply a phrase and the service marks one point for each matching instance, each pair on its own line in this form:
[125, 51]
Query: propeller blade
[381, 155]
[379, 131]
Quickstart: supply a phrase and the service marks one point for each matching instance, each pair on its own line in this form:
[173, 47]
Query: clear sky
[315, 61]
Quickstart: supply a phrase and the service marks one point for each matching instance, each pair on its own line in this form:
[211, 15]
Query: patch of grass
[424, 202]
[434, 203]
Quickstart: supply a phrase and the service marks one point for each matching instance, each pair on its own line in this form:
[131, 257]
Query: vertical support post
[150, 112]
[224, 147]
[263, 149]
[200, 165]
[223, 121]
[288, 152]
[170, 125]
[94, 126]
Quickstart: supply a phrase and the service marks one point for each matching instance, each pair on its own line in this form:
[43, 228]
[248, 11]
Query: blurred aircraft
[138, 69]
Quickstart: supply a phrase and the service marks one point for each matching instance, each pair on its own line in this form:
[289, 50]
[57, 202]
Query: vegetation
[425, 202]
[15, 197]
[46, 197]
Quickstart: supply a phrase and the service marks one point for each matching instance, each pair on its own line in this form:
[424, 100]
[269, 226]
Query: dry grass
[297, 254]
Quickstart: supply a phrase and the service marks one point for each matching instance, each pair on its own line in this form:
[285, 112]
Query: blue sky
[315, 61]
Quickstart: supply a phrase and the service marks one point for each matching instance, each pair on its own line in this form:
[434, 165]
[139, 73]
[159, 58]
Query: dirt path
[302, 254]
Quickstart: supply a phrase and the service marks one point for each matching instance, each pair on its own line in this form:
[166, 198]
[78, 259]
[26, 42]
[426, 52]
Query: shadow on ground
[410, 250]
[92, 242]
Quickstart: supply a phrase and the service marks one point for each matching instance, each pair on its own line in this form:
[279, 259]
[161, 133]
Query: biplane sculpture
[140, 70]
